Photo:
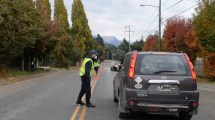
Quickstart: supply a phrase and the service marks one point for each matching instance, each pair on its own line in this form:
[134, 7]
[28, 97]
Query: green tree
[137, 45]
[203, 21]
[20, 26]
[124, 46]
[65, 52]
[204, 24]
[80, 29]
[43, 45]
[44, 9]
[98, 44]
[60, 18]
[100, 40]
[109, 50]
[98, 47]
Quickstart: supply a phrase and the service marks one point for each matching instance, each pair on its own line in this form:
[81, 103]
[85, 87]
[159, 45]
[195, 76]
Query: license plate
[164, 88]
[173, 110]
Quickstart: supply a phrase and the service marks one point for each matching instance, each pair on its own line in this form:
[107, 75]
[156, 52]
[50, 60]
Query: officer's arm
[88, 67]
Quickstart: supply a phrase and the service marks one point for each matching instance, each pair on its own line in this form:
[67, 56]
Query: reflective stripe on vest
[96, 64]
[82, 69]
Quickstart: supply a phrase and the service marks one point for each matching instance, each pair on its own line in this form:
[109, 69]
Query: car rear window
[152, 64]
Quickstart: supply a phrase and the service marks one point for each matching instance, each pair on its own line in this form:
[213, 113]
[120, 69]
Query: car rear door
[163, 77]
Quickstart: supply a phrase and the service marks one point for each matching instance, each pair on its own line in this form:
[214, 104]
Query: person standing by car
[96, 68]
[86, 71]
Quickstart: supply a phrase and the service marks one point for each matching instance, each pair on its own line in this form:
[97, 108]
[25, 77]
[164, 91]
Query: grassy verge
[13, 75]
[205, 80]
[17, 73]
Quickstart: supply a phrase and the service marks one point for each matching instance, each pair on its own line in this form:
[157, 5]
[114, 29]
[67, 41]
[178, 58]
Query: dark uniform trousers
[85, 88]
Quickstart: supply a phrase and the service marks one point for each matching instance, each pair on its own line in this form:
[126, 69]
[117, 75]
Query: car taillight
[195, 104]
[191, 66]
[132, 66]
[131, 102]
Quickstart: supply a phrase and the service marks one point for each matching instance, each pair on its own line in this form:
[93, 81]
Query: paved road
[54, 98]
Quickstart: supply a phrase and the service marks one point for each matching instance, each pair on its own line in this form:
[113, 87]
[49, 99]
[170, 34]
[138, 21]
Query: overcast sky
[109, 17]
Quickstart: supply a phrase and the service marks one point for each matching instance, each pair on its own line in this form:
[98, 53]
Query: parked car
[156, 83]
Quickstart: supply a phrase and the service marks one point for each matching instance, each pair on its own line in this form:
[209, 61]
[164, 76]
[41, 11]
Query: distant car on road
[157, 83]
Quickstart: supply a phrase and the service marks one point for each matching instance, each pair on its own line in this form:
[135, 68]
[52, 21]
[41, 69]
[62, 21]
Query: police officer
[96, 68]
[86, 71]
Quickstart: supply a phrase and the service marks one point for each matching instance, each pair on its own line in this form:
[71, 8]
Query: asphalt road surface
[53, 98]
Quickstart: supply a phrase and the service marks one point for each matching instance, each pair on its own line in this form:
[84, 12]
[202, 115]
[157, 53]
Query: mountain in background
[111, 40]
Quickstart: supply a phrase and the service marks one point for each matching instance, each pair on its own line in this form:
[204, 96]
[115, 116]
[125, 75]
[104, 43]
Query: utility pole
[159, 22]
[159, 39]
[142, 42]
[129, 31]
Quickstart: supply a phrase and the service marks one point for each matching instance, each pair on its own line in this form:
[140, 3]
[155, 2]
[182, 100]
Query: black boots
[90, 105]
[80, 102]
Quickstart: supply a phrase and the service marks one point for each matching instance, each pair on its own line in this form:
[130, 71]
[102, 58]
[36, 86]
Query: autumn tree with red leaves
[151, 43]
[194, 48]
[179, 36]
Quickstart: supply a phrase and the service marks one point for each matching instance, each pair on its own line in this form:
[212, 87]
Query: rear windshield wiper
[164, 71]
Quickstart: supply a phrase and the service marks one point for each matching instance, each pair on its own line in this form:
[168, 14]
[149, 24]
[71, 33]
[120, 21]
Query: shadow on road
[145, 116]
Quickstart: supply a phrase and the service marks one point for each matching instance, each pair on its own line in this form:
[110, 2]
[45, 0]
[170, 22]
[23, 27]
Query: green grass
[14, 72]
[17, 73]
[11, 75]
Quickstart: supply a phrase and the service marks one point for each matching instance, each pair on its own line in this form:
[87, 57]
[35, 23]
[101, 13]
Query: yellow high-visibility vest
[82, 69]
[96, 64]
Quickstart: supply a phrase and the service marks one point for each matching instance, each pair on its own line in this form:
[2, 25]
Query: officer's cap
[93, 52]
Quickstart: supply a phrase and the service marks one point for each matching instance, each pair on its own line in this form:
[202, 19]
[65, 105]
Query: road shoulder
[21, 83]
[206, 87]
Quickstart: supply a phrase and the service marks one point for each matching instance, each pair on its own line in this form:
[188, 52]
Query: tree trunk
[23, 62]
[29, 62]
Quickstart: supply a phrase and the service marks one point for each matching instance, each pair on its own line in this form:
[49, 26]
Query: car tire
[124, 115]
[121, 114]
[114, 96]
[184, 116]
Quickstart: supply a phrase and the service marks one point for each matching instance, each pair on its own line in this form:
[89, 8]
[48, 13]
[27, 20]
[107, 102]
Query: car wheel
[114, 96]
[185, 116]
[121, 114]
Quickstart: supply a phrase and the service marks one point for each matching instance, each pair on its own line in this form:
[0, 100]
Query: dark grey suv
[156, 83]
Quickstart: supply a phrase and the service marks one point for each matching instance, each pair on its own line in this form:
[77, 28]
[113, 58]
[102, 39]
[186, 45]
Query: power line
[172, 5]
[147, 20]
[177, 14]
[154, 29]
[151, 24]
[184, 10]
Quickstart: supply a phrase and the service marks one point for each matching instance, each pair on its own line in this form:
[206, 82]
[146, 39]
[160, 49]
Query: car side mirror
[114, 68]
